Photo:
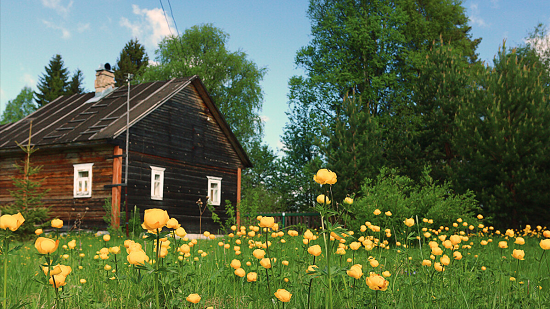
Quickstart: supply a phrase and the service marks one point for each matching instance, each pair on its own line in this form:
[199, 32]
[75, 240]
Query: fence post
[283, 220]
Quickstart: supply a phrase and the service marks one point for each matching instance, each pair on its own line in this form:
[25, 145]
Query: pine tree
[19, 107]
[503, 140]
[132, 60]
[53, 83]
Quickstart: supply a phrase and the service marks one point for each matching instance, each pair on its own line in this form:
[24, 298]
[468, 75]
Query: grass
[206, 270]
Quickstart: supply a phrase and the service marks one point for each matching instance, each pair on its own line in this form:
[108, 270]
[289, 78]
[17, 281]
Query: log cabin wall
[182, 137]
[58, 174]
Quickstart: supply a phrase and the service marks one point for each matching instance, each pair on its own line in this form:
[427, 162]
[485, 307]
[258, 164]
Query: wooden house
[180, 151]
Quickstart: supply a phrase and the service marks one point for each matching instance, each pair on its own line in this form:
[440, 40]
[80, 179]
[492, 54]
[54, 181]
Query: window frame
[218, 197]
[155, 170]
[82, 167]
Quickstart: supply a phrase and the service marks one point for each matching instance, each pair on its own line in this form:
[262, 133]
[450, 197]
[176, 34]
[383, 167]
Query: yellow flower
[480, 216]
[57, 223]
[340, 251]
[518, 254]
[325, 177]
[356, 271]
[235, 264]
[267, 222]
[155, 219]
[72, 244]
[106, 237]
[283, 295]
[510, 232]
[173, 224]
[240, 272]
[82, 281]
[46, 245]
[457, 255]
[438, 267]
[265, 262]
[258, 253]
[56, 270]
[388, 213]
[409, 222]
[355, 245]
[426, 263]
[374, 263]
[321, 199]
[376, 212]
[437, 251]
[193, 298]
[502, 244]
[180, 231]
[137, 257]
[519, 241]
[386, 274]
[284, 263]
[348, 200]
[59, 281]
[546, 234]
[38, 232]
[545, 244]
[311, 269]
[114, 250]
[12, 222]
[376, 282]
[314, 250]
[455, 239]
[445, 260]
[107, 267]
[251, 277]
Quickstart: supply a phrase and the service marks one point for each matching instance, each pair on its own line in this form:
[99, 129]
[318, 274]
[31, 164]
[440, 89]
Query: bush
[405, 199]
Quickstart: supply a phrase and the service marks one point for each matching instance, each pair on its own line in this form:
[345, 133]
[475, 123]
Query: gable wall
[183, 137]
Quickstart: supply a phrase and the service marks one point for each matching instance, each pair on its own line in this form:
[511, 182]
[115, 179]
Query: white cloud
[541, 45]
[29, 80]
[151, 27]
[475, 17]
[264, 118]
[153, 63]
[83, 27]
[65, 33]
[58, 6]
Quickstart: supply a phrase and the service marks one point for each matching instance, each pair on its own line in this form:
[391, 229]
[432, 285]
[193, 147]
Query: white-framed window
[157, 182]
[214, 190]
[82, 180]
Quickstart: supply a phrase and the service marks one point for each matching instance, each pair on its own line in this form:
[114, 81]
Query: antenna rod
[127, 155]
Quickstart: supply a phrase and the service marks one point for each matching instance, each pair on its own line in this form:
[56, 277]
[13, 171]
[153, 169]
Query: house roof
[69, 120]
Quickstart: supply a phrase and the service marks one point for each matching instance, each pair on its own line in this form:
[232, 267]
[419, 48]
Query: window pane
[157, 177]
[83, 174]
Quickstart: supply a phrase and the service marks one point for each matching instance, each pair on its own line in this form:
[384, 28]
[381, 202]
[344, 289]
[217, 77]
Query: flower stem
[5, 253]
[156, 272]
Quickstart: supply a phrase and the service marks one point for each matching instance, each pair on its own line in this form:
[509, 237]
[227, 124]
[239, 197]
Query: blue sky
[88, 33]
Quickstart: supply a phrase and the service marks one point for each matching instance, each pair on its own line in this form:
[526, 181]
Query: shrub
[405, 199]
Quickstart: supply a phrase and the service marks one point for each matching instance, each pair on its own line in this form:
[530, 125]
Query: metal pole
[127, 155]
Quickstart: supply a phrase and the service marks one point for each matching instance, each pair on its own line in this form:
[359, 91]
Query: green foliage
[28, 196]
[405, 198]
[504, 139]
[132, 60]
[230, 212]
[19, 107]
[231, 79]
[134, 220]
[373, 52]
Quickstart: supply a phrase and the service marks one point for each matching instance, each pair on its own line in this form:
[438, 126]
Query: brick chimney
[104, 78]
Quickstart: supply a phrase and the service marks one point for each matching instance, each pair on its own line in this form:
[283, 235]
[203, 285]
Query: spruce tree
[75, 85]
[133, 59]
[53, 83]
